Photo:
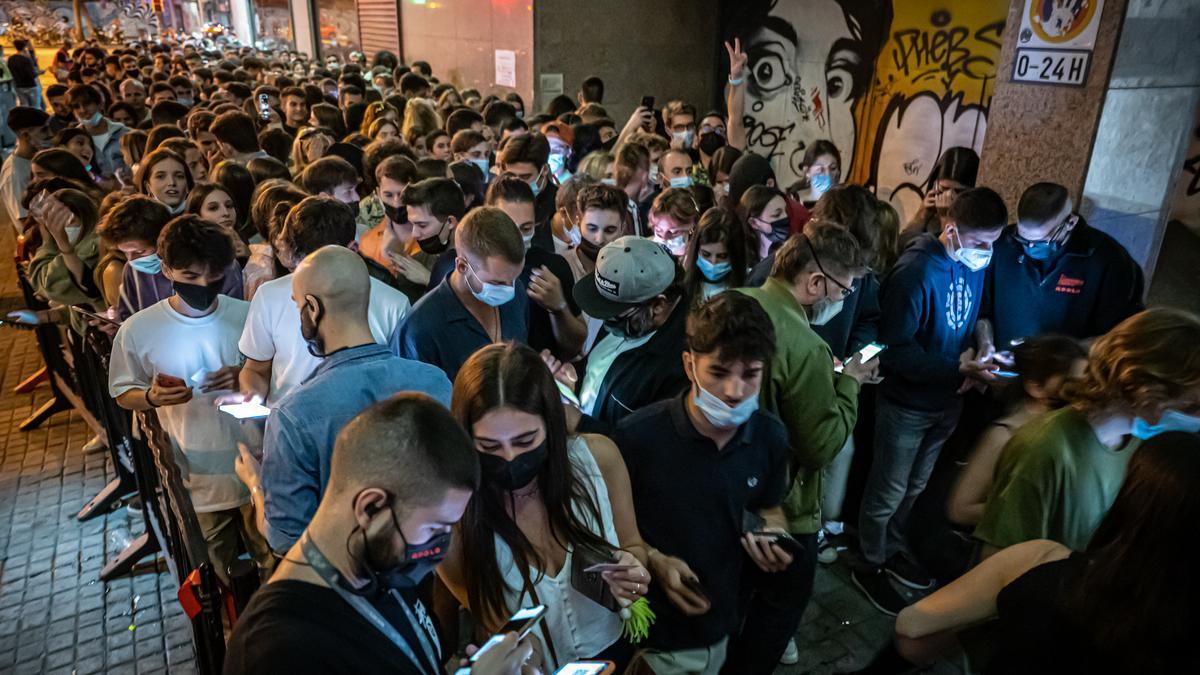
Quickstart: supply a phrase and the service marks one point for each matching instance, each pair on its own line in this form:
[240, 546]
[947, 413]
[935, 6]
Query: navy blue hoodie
[929, 305]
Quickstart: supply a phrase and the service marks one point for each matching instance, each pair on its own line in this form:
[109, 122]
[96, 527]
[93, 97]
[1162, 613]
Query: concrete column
[1116, 143]
[304, 27]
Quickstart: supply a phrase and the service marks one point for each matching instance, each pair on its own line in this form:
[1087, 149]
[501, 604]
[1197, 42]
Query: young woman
[60, 163]
[61, 270]
[822, 167]
[197, 163]
[716, 256]
[271, 203]
[438, 144]
[310, 145]
[211, 201]
[763, 212]
[955, 171]
[163, 175]
[718, 172]
[1125, 604]
[235, 178]
[420, 119]
[133, 148]
[383, 129]
[1042, 366]
[673, 216]
[548, 504]
[79, 143]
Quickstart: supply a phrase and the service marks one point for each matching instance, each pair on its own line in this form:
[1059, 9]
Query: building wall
[665, 48]
[925, 83]
[459, 39]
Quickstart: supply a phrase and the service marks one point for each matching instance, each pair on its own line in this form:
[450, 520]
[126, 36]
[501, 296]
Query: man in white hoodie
[106, 134]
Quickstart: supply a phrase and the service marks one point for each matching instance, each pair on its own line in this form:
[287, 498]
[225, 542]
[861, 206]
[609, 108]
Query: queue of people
[510, 359]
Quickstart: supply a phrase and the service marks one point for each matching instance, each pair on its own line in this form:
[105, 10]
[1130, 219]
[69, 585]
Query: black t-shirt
[690, 497]
[541, 332]
[295, 627]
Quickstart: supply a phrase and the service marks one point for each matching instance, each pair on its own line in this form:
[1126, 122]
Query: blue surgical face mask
[483, 166]
[148, 264]
[681, 182]
[536, 185]
[492, 295]
[684, 137]
[94, 119]
[820, 183]
[714, 272]
[1170, 420]
[719, 413]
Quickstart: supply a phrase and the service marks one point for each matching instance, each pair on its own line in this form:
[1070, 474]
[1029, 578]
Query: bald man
[133, 92]
[331, 289]
[403, 472]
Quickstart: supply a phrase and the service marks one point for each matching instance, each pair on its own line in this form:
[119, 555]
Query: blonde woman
[420, 118]
[310, 145]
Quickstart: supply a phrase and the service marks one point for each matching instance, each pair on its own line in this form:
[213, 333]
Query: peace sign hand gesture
[737, 59]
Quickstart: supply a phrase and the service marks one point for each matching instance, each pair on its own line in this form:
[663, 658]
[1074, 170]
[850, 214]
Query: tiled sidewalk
[55, 614]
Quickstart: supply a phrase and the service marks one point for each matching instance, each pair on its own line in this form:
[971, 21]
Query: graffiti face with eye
[801, 83]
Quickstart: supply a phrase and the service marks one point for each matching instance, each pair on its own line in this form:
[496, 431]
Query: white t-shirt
[273, 331]
[159, 340]
[14, 178]
[600, 359]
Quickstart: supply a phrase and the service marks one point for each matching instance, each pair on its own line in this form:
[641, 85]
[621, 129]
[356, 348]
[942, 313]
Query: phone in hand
[521, 622]
[693, 585]
[246, 411]
[98, 317]
[169, 381]
[1007, 374]
[783, 541]
[870, 351]
[751, 521]
[567, 395]
[264, 107]
[648, 103]
[587, 668]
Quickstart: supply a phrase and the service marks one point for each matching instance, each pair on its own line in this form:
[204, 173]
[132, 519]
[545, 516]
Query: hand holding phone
[587, 668]
[264, 107]
[681, 585]
[168, 390]
[521, 622]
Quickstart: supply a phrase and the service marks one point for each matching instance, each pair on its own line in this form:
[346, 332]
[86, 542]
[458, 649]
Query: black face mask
[780, 230]
[310, 331]
[588, 250]
[396, 214]
[434, 245]
[515, 474]
[196, 296]
[710, 142]
[417, 562]
[635, 326]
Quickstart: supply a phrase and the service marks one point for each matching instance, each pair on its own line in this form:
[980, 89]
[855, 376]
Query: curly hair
[1143, 365]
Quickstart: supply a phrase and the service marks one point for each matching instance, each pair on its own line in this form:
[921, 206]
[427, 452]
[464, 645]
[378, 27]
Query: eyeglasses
[845, 290]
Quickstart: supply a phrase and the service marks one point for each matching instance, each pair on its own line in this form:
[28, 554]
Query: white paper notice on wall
[1056, 41]
[506, 68]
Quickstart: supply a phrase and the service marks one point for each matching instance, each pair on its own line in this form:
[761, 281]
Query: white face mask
[73, 233]
[974, 259]
[677, 245]
[824, 310]
[528, 239]
[719, 413]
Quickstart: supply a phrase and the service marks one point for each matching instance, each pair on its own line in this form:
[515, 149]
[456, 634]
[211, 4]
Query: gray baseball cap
[629, 271]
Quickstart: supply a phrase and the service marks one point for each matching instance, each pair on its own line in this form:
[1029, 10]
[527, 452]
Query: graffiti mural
[892, 83]
[1185, 207]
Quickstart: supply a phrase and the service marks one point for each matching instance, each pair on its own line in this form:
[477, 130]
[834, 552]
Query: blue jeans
[907, 443]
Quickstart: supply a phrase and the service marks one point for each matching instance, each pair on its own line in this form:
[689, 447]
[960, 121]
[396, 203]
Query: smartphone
[587, 668]
[783, 541]
[246, 411]
[693, 585]
[98, 317]
[558, 169]
[520, 623]
[567, 395]
[648, 103]
[1004, 373]
[264, 107]
[869, 352]
[601, 568]
[169, 381]
[751, 521]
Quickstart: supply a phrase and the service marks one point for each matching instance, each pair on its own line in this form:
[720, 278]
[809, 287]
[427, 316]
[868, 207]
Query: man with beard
[349, 597]
[331, 289]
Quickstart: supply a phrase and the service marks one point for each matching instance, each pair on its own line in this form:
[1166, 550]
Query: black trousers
[771, 605]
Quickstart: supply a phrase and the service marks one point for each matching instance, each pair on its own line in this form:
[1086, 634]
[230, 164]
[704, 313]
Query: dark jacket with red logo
[1091, 286]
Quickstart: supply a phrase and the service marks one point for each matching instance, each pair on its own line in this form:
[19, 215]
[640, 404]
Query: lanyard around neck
[321, 565]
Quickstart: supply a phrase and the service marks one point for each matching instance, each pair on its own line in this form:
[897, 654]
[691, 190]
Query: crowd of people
[512, 358]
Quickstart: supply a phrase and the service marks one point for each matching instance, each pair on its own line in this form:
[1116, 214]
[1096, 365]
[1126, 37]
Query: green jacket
[51, 279]
[818, 406]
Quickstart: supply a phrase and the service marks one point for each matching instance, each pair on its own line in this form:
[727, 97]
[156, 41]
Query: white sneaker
[791, 655]
[827, 553]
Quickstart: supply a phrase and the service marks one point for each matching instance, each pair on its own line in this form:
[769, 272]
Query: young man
[679, 118]
[1053, 273]
[278, 358]
[150, 370]
[481, 302]
[237, 137]
[332, 177]
[62, 117]
[30, 127]
[331, 290]
[637, 291]
[106, 134]
[295, 110]
[133, 227]
[470, 145]
[401, 474]
[811, 276]
[24, 71]
[434, 207]
[708, 474]
[675, 169]
[930, 303]
[525, 157]
[554, 321]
